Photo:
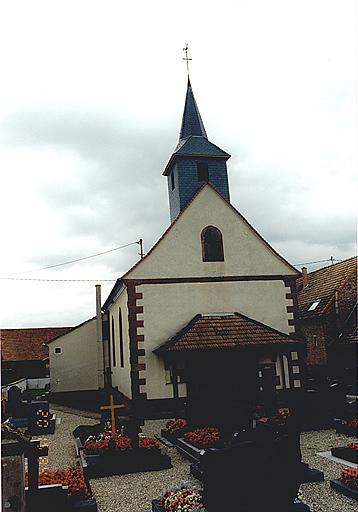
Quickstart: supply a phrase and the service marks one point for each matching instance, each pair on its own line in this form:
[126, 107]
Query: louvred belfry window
[212, 244]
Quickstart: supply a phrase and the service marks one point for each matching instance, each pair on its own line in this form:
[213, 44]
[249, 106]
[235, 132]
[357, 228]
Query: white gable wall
[178, 254]
[75, 369]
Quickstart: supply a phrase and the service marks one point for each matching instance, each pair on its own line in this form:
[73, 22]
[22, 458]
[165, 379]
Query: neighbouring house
[74, 369]
[327, 307]
[24, 352]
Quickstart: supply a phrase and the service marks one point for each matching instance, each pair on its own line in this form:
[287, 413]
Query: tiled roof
[224, 331]
[322, 285]
[26, 344]
[195, 145]
[352, 336]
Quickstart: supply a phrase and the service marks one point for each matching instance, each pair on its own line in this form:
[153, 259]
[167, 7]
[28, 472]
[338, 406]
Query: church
[208, 313]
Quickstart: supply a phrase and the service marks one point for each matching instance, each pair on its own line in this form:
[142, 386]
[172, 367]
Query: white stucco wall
[179, 253]
[121, 376]
[169, 307]
[75, 369]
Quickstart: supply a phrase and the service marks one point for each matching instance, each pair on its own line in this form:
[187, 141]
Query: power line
[58, 280]
[72, 261]
[312, 262]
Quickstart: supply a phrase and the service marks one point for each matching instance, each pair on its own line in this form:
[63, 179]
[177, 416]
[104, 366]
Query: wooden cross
[33, 452]
[185, 49]
[112, 408]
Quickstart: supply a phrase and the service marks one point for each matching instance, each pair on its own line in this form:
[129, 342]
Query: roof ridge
[331, 266]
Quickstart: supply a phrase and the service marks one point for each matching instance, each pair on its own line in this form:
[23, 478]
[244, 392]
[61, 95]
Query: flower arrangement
[72, 477]
[354, 446]
[202, 437]
[106, 441]
[349, 477]
[353, 423]
[175, 425]
[279, 418]
[182, 498]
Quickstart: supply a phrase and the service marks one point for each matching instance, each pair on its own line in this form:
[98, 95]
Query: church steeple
[195, 160]
[192, 123]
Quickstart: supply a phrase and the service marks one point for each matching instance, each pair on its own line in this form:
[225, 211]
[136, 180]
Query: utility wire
[56, 280]
[312, 262]
[72, 261]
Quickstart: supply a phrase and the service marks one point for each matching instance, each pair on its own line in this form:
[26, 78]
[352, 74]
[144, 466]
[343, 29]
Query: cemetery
[100, 458]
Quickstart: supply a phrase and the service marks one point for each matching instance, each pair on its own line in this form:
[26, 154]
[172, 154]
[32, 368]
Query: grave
[258, 475]
[35, 415]
[347, 484]
[120, 449]
[349, 452]
[348, 423]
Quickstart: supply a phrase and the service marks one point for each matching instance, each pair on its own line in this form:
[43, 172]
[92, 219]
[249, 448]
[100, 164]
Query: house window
[113, 344]
[172, 180]
[203, 171]
[315, 341]
[212, 244]
[120, 326]
[314, 305]
[58, 350]
[180, 371]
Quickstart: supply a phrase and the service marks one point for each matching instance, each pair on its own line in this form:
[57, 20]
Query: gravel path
[319, 495]
[134, 492]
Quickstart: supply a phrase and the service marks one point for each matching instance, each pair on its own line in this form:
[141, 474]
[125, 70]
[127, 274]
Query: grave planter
[190, 452]
[119, 462]
[344, 489]
[345, 453]
[171, 436]
[310, 474]
[298, 506]
[344, 427]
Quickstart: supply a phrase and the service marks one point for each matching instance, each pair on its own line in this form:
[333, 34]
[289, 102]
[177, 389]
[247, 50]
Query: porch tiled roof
[27, 344]
[322, 285]
[224, 331]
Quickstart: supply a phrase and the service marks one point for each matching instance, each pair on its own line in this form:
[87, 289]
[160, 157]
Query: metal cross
[186, 57]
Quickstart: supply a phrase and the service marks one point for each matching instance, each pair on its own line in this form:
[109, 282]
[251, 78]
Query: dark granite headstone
[16, 408]
[259, 475]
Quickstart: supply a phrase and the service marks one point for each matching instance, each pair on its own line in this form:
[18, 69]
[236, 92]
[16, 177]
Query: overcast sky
[92, 94]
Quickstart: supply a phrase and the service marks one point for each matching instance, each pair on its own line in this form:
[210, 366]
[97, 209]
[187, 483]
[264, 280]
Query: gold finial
[185, 49]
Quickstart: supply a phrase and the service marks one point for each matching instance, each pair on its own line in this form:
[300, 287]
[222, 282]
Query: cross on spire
[186, 49]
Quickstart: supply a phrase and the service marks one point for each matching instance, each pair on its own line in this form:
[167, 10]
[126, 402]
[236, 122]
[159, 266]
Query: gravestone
[16, 408]
[258, 475]
[39, 418]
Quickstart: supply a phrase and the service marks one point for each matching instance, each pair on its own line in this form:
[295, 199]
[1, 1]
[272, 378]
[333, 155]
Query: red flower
[354, 446]
[72, 477]
[349, 476]
[175, 425]
[202, 437]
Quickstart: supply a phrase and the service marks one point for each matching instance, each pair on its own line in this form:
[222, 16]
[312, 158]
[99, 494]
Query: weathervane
[185, 49]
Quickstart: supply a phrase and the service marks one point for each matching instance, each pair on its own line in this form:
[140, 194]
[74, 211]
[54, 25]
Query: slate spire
[195, 160]
[192, 123]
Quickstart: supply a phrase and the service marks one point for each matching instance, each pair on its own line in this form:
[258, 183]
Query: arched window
[120, 327]
[113, 344]
[212, 244]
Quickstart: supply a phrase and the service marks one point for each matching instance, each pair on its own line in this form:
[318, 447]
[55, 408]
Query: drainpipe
[304, 277]
[100, 345]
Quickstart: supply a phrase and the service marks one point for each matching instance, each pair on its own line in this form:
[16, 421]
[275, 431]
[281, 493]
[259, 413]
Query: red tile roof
[27, 344]
[224, 331]
[322, 285]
